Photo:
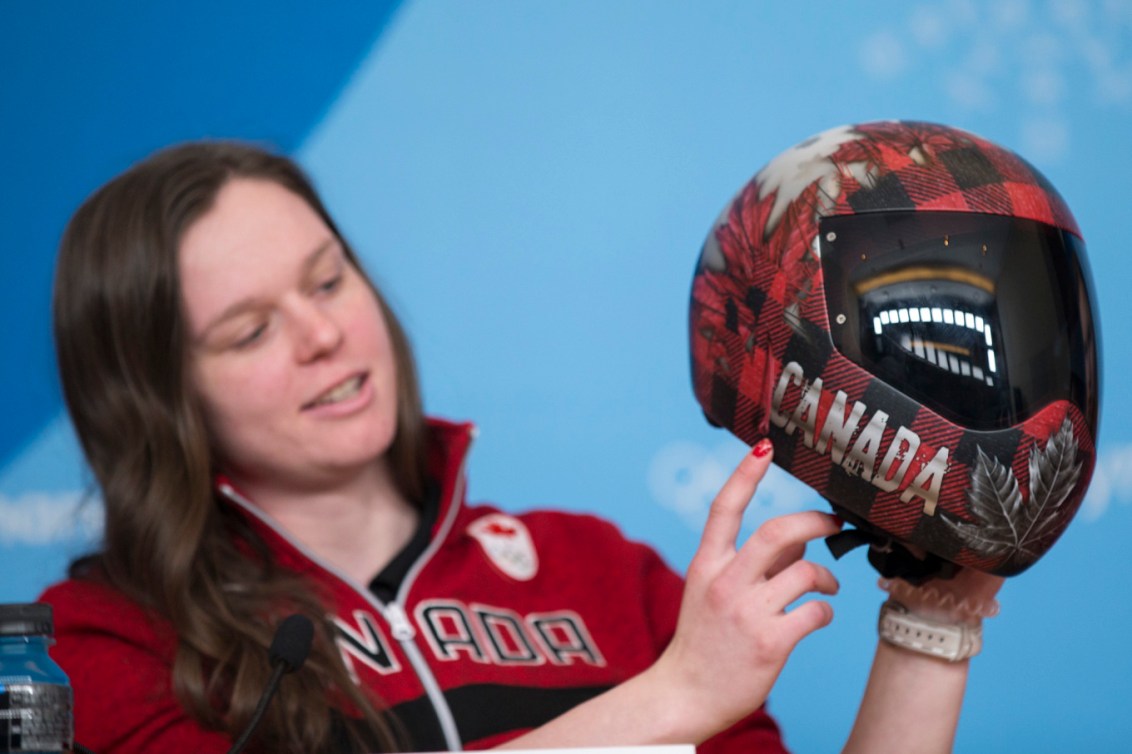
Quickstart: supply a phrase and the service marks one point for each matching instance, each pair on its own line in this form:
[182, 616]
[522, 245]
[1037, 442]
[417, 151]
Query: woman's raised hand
[732, 637]
[735, 631]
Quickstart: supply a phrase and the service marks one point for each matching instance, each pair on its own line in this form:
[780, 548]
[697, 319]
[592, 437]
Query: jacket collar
[448, 444]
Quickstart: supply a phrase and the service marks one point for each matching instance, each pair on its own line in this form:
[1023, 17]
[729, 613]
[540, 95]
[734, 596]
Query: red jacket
[501, 624]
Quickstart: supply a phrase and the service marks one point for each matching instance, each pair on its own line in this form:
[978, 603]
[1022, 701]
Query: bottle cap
[34, 618]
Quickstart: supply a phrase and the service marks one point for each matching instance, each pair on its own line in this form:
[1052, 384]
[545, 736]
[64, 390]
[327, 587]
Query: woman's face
[289, 351]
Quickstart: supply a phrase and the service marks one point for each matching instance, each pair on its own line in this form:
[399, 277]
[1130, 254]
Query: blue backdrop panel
[87, 88]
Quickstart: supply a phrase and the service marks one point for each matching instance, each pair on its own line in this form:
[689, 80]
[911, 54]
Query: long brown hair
[121, 342]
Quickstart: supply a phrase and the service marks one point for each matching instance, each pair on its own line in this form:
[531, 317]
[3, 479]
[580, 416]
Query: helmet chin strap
[889, 556]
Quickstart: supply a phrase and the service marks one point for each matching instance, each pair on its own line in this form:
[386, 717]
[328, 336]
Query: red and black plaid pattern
[925, 166]
[758, 305]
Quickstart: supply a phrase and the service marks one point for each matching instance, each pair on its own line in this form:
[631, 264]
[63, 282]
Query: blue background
[530, 184]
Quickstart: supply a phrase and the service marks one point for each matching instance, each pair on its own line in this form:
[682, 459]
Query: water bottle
[35, 695]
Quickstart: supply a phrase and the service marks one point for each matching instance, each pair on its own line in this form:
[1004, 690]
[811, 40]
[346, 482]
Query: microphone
[289, 649]
[292, 642]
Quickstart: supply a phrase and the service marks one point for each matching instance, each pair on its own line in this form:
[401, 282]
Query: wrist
[685, 702]
[675, 712]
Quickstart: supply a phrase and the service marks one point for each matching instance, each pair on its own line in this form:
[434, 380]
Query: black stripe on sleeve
[483, 710]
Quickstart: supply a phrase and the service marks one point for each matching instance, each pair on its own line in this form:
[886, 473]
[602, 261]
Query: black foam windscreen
[292, 642]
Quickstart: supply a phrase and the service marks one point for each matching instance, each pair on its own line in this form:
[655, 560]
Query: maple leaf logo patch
[507, 544]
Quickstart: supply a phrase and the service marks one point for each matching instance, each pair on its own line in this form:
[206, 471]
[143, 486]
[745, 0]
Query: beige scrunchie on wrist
[933, 603]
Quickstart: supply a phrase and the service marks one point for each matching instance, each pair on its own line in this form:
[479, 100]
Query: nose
[316, 332]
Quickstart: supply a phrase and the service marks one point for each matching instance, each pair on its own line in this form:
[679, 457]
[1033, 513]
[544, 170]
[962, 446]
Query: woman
[249, 407]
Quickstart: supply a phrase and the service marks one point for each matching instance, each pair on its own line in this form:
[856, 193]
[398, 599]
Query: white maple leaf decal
[791, 172]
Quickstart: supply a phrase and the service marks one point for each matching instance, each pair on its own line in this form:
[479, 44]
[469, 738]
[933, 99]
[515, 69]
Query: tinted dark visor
[983, 318]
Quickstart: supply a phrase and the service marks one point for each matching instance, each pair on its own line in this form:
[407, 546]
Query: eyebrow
[245, 304]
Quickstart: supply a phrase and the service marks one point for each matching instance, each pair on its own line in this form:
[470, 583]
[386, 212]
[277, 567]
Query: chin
[363, 448]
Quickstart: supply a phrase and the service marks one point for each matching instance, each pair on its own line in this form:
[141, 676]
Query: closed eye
[252, 337]
[330, 285]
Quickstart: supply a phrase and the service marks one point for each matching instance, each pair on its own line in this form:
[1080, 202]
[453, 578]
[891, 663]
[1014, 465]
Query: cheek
[364, 313]
[387, 359]
[369, 324]
[236, 400]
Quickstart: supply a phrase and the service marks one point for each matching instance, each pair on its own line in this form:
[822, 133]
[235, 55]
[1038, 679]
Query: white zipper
[397, 613]
[404, 632]
[399, 624]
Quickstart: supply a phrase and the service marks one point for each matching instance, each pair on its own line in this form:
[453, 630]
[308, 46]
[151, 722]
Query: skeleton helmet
[905, 310]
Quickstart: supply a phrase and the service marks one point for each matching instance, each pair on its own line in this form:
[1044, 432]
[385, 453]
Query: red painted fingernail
[762, 447]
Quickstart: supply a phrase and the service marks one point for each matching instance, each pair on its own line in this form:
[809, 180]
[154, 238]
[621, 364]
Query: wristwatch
[953, 642]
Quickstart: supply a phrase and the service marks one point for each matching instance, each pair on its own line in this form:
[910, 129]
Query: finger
[804, 620]
[789, 555]
[799, 579]
[726, 513]
[778, 536]
[780, 638]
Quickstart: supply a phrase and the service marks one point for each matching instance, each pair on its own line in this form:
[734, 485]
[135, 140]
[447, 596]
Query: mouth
[343, 391]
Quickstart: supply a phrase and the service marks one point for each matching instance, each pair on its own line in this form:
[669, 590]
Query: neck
[358, 524]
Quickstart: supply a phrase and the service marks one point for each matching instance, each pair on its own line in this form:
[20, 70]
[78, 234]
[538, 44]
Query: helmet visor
[984, 319]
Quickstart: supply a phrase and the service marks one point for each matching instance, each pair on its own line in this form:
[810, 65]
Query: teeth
[347, 389]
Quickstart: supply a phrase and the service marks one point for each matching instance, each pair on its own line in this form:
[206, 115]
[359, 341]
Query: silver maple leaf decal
[1007, 528]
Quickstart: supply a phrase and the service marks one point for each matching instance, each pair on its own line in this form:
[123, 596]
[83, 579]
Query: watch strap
[953, 642]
